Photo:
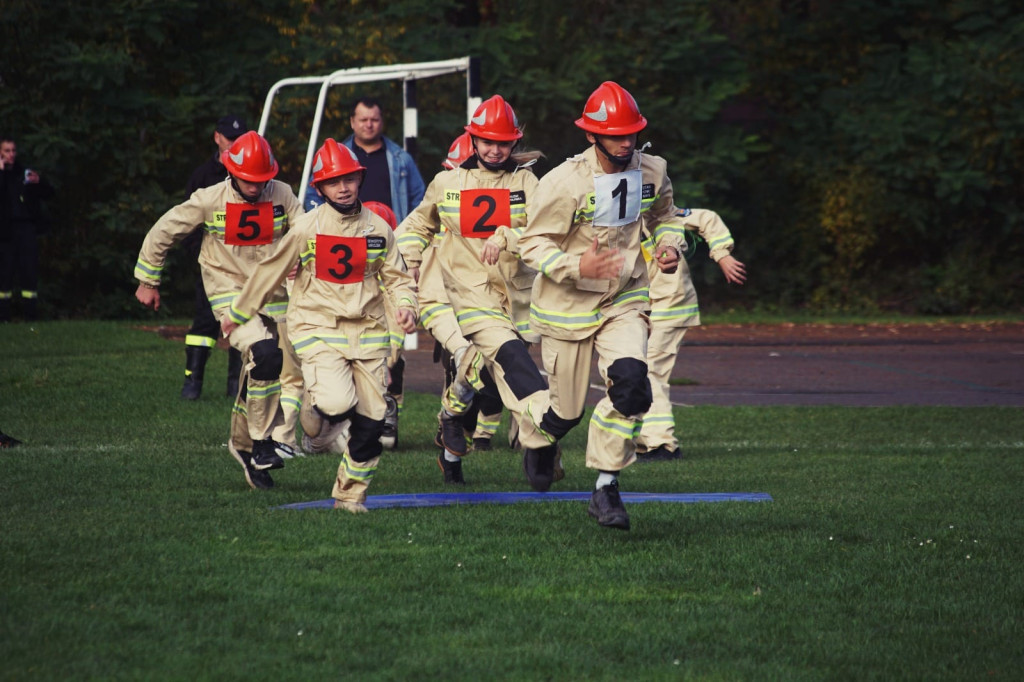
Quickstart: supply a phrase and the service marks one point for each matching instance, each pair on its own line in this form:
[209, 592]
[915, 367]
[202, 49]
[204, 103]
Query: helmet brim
[591, 127]
[494, 137]
[248, 177]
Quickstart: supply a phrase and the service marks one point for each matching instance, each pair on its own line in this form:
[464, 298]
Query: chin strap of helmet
[621, 161]
[234, 185]
[506, 165]
[344, 209]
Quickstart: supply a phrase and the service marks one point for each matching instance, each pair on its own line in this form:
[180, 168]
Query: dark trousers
[19, 265]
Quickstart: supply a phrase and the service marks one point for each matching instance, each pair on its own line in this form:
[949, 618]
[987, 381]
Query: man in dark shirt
[205, 330]
[22, 222]
[392, 177]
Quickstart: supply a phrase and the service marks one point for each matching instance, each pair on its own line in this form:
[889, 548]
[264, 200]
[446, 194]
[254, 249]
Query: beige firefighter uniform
[338, 324]
[574, 204]
[238, 235]
[471, 204]
[673, 311]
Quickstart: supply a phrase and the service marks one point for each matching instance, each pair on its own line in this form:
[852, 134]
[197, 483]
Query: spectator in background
[391, 174]
[202, 337]
[22, 222]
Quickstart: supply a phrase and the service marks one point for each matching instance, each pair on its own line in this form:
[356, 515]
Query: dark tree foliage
[866, 154]
[896, 165]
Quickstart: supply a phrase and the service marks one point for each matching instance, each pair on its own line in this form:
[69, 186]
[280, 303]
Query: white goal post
[408, 74]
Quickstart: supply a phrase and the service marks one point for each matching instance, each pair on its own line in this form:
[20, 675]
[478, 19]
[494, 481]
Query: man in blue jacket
[391, 174]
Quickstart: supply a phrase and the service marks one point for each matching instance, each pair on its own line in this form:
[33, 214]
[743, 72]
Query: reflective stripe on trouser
[611, 434]
[291, 390]
[200, 341]
[486, 425]
[353, 479]
[526, 408]
[254, 417]
[659, 423]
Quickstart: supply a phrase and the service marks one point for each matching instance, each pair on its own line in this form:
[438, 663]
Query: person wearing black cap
[205, 329]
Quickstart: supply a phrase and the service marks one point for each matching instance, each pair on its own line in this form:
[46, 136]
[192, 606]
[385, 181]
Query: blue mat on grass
[446, 499]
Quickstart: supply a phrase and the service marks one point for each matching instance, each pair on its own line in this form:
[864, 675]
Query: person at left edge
[202, 336]
[22, 222]
[337, 318]
[244, 218]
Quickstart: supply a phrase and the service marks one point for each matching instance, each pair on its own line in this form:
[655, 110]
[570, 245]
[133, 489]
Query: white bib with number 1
[617, 198]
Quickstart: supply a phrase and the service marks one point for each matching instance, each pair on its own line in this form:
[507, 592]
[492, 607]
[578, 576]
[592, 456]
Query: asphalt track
[961, 365]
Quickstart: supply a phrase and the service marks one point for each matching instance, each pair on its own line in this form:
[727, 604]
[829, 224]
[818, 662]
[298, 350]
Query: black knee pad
[364, 437]
[521, 373]
[630, 390]
[488, 401]
[490, 388]
[268, 360]
[397, 377]
[557, 426]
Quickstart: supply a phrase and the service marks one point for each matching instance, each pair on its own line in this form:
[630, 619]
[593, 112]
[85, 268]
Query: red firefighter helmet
[384, 211]
[461, 149]
[611, 110]
[333, 160]
[249, 158]
[495, 120]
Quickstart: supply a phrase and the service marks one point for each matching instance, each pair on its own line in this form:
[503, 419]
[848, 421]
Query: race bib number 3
[482, 211]
[617, 198]
[249, 224]
[341, 260]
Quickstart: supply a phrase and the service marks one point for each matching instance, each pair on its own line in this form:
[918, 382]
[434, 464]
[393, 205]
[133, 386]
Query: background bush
[865, 154]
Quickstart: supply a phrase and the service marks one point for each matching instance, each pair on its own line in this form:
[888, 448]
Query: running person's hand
[598, 264]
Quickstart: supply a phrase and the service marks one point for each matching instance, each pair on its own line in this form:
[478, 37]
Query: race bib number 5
[249, 224]
[482, 211]
[617, 198]
[341, 260]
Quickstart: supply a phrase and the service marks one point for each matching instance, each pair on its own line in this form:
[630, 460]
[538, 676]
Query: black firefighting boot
[234, 371]
[195, 366]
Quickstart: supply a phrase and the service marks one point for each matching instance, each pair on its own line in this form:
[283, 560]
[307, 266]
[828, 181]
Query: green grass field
[132, 548]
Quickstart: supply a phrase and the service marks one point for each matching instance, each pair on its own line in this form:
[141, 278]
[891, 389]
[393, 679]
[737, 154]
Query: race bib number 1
[249, 224]
[341, 260]
[482, 211]
[617, 198]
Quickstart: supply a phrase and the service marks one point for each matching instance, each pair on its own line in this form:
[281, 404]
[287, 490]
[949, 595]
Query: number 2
[481, 223]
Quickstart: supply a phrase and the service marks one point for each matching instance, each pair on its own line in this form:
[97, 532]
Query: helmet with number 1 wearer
[250, 158]
[495, 120]
[384, 211]
[461, 149]
[333, 160]
[611, 110]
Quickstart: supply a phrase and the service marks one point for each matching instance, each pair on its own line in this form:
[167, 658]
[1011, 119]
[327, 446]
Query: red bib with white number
[249, 224]
[341, 260]
[482, 211]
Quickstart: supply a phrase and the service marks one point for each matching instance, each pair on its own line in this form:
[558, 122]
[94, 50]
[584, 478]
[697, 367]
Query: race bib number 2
[617, 198]
[341, 260]
[249, 224]
[482, 211]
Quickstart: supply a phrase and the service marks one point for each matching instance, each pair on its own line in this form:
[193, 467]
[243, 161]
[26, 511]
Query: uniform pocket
[595, 285]
[549, 358]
